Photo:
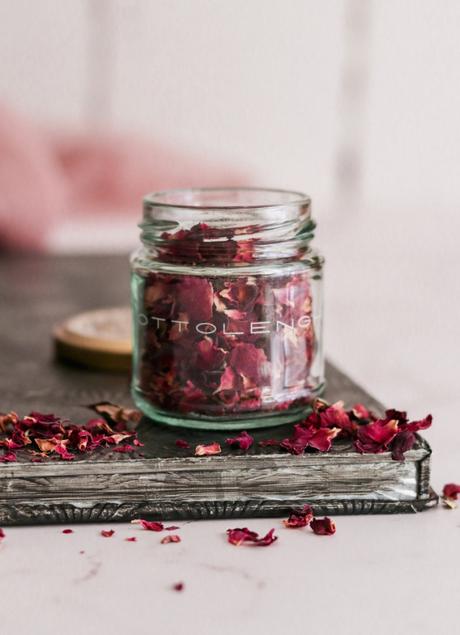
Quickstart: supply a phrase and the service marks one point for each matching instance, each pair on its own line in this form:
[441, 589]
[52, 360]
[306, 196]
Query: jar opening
[227, 225]
[231, 198]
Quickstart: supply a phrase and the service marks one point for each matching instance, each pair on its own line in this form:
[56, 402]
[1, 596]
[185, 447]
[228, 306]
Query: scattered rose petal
[149, 525]
[67, 531]
[300, 517]
[171, 528]
[323, 526]
[243, 536]
[170, 538]
[131, 539]
[107, 533]
[451, 490]
[8, 457]
[450, 494]
[243, 440]
[2, 534]
[178, 586]
[208, 450]
[181, 443]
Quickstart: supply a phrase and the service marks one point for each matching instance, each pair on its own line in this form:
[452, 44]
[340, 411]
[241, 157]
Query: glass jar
[227, 304]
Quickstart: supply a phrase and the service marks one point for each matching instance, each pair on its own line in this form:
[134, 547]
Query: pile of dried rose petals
[45, 436]
[370, 434]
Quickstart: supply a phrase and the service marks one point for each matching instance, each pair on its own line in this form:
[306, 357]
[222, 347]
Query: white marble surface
[392, 315]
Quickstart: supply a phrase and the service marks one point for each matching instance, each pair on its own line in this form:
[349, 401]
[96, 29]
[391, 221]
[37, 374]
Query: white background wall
[355, 101]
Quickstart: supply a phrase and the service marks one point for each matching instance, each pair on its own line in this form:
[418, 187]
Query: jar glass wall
[227, 309]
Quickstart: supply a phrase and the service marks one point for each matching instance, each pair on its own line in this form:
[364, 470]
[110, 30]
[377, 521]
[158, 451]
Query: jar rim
[177, 198]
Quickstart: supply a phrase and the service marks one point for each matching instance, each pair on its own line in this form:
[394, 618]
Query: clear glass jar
[227, 305]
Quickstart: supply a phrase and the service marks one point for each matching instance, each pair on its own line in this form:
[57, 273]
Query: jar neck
[227, 226]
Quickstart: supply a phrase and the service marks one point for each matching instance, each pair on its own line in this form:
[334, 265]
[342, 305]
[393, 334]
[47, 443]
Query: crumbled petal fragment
[171, 528]
[208, 450]
[67, 531]
[245, 536]
[149, 525]
[181, 443]
[115, 414]
[170, 538]
[323, 526]
[131, 539]
[2, 534]
[300, 517]
[178, 586]
[107, 533]
[243, 440]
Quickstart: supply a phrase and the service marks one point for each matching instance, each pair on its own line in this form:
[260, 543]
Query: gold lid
[98, 339]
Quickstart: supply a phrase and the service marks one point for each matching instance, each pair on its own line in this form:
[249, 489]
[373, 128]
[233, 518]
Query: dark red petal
[423, 424]
[243, 440]
[8, 457]
[323, 526]
[107, 533]
[451, 490]
[208, 450]
[170, 538]
[171, 528]
[149, 525]
[131, 539]
[67, 531]
[2, 534]
[181, 443]
[178, 586]
[299, 517]
[242, 536]
[403, 442]
[375, 437]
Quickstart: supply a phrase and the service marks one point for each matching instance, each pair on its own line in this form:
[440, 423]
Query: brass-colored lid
[97, 339]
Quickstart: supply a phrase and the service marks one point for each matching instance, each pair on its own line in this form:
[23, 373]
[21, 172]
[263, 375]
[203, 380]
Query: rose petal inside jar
[220, 345]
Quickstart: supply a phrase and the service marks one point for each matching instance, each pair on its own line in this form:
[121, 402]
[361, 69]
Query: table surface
[377, 574]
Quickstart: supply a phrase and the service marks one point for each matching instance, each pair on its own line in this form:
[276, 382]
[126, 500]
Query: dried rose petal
[451, 490]
[131, 539]
[67, 531]
[116, 414]
[299, 517]
[208, 450]
[323, 526]
[2, 534]
[8, 457]
[181, 443]
[243, 440]
[242, 536]
[149, 525]
[171, 528]
[375, 437]
[107, 533]
[178, 586]
[170, 538]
